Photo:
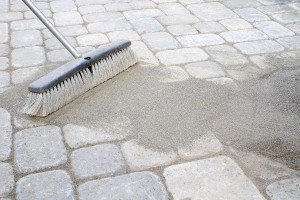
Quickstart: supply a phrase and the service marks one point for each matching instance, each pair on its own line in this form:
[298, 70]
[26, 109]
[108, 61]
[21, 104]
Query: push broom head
[64, 84]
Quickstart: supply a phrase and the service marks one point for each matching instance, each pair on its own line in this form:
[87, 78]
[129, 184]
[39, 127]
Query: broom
[64, 84]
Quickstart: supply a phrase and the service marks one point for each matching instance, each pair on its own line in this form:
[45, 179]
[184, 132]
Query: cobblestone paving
[213, 40]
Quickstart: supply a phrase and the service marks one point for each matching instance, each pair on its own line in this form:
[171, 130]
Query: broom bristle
[42, 104]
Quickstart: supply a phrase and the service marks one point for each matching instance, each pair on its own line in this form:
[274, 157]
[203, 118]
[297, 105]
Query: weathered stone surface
[4, 6]
[222, 81]
[79, 136]
[97, 161]
[146, 25]
[142, 13]
[290, 42]
[67, 18]
[3, 63]
[4, 49]
[160, 41]
[226, 55]
[5, 134]
[28, 56]
[142, 4]
[272, 9]
[10, 16]
[273, 29]
[91, 9]
[178, 19]
[294, 27]
[244, 74]
[117, 6]
[139, 157]
[3, 32]
[251, 14]
[200, 40]
[125, 187]
[213, 178]
[285, 189]
[181, 56]
[209, 27]
[7, 179]
[173, 8]
[243, 35]
[63, 6]
[232, 4]
[54, 43]
[123, 35]
[103, 27]
[92, 39]
[172, 74]
[236, 24]
[26, 38]
[287, 17]
[21, 123]
[205, 145]
[187, 2]
[178, 30]
[74, 30]
[102, 16]
[4, 79]
[55, 184]
[204, 70]
[257, 47]
[38, 148]
[22, 75]
[204, 11]
[144, 55]
[27, 24]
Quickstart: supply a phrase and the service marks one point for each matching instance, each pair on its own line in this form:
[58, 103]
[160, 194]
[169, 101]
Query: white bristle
[42, 104]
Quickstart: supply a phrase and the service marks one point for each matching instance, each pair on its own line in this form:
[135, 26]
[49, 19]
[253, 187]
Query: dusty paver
[22, 75]
[200, 40]
[26, 38]
[213, 178]
[3, 32]
[143, 13]
[285, 189]
[55, 184]
[4, 79]
[172, 74]
[44, 144]
[178, 19]
[67, 18]
[204, 70]
[97, 161]
[54, 43]
[243, 35]
[28, 56]
[134, 186]
[92, 39]
[178, 30]
[5, 134]
[27, 24]
[209, 27]
[103, 27]
[160, 41]
[290, 42]
[145, 56]
[146, 25]
[125, 35]
[102, 16]
[7, 179]
[273, 29]
[251, 14]
[236, 24]
[257, 47]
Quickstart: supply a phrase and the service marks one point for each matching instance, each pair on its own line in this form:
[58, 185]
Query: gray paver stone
[139, 157]
[134, 186]
[181, 56]
[4, 79]
[123, 35]
[67, 18]
[63, 6]
[28, 56]
[142, 4]
[53, 43]
[62, 55]
[182, 29]
[97, 161]
[287, 17]
[4, 49]
[205, 70]
[91, 9]
[5, 134]
[102, 16]
[204, 11]
[3, 63]
[10, 16]
[22, 75]
[160, 41]
[117, 6]
[92, 39]
[243, 35]
[38, 148]
[143, 13]
[102, 27]
[273, 9]
[92, 2]
[48, 185]
[232, 4]
[213, 178]
[178, 19]
[257, 47]
[27, 24]
[285, 189]
[3, 32]
[74, 30]
[273, 29]
[200, 40]
[173, 8]
[290, 42]
[251, 14]
[6, 180]
[172, 74]
[146, 25]
[236, 24]
[26, 38]
[209, 27]
[144, 55]
[294, 27]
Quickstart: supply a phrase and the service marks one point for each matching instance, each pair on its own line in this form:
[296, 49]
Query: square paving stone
[53, 43]
[49, 185]
[26, 38]
[91, 9]
[7, 179]
[142, 4]
[134, 186]
[28, 56]
[160, 41]
[146, 25]
[285, 189]
[181, 56]
[63, 6]
[243, 35]
[205, 70]
[251, 14]
[204, 11]
[117, 6]
[213, 178]
[97, 161]
[273, 29]
[200, 40]
[257, 47]
[290, 42]
[5, 134]
[27, 24]
[273, 9]
[38, 148]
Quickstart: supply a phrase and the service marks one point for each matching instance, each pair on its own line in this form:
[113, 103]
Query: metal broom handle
[51, 28]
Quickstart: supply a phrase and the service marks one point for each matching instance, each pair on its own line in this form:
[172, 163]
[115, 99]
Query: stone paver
[213, 178]
[181, 56]
[173, 8]
[134, 186]
[123, 35]
[178, 30]
[287, 17]
[285, 189]
[205, 70]
[79, 136]
[178, 19]
[251, 14]
[3, 32]
[4, 49]
[10, 16]
[117, 6]
[63, 6]
[6, 180]
[4, 79]
[91, 9]
[73, 30]
[172, 74]
[144, 55]
[54, 43]
[139, 157]
[4, 65]
[92, 39]
[240, 4]
[142, 4]
[290, 42]
[28, 56]
[103, 27]
[257, 47]
[142, 13]
[226, 55]
[97, 161]
[55, 184]
[203, 11]
[67, 18]
[44, 144]
[26, 38]
[102, 16]
[22, 75]
[243, 35]
[5, 134]
[146, 25]
[27, 24]
[200, 40]
[273, 29]
[236, 24]
[160, 41]
[272, 9]
[209, 27]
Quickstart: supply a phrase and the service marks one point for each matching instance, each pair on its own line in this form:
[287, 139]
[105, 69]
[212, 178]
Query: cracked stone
[146, 25]
[28, 56]
[5, 134]
[26, 38]
[205, 70]
[7, 179]
[38, 148]
[285, 189]
[200, 40]
[257, 47]
[160, 41]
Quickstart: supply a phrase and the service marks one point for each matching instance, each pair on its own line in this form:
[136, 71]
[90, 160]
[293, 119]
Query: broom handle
[51, 28]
